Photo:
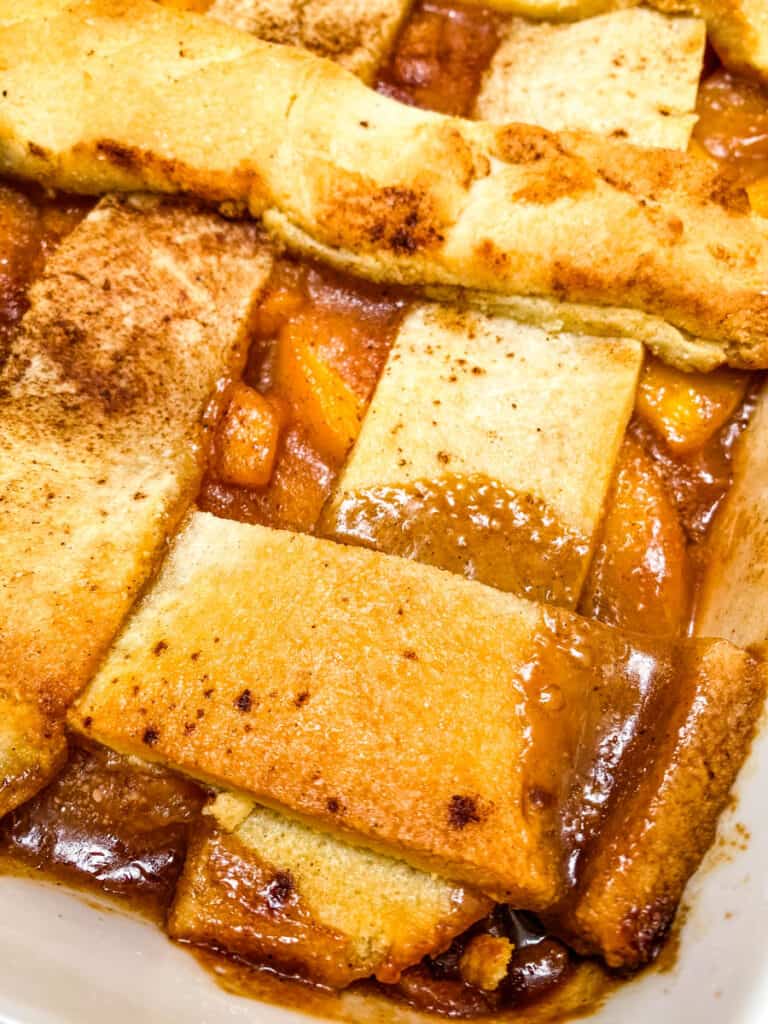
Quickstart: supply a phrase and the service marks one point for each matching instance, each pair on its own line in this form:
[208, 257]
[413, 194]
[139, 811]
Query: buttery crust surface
[738, 28]
[562, 10]
[388, 191]
[632, 74]
[136, 316]
[285, 666]
[357, 34]
[539, 417]
[311, 903]
[350, 668]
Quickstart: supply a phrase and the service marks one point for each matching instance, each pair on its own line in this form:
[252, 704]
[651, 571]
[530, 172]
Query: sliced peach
[283, 298]
[639, 577]
[246, 439]
[686, 409]
[329, 410]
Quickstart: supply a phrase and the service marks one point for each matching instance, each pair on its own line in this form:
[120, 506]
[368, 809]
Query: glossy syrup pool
[122, 829]
[471, 525]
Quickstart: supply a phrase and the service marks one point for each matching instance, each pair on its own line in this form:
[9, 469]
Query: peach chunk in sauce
[440, 57]
[733, 123]
[687, 409]
[320, 342]
[246, 438]
[639, 578]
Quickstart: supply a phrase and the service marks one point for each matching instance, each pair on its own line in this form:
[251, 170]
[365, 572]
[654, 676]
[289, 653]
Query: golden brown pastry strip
[388, 191]
[135, 318]
[288, 666]
[661, 826]
[357, 34]
[738, 28]
[305, 901]
[630, 74]
[557, 10]
[485, 452]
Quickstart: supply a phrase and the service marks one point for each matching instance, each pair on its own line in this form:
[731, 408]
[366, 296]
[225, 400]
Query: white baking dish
[65, 961]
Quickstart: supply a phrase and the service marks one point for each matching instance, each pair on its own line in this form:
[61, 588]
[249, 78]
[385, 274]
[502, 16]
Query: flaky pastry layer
[287, 666]
[390, 192]
[136, 317]
[307, 901]
[738, 28]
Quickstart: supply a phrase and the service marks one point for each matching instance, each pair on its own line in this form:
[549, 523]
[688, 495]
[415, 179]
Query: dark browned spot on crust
[36, 150]
[489, 255]
[149, 168]
[160, 646]
[150, 737]
[462, 811]
[401, 219]
[88, 721]
[527, 144]
[410, 654]
[333, 805]
[244, 702]
[570, 281]
[558, 177]
[727, 192]
[301, 698]
[120, 155]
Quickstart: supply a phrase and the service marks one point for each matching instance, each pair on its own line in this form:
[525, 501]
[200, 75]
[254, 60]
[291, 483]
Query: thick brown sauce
[352, 324]
[470, 525]
[122, 829]
[733, 123]
[440, 56]
[111, 823]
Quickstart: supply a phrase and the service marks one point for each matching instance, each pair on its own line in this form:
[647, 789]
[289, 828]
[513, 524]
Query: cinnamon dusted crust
[738, 28]
[285, 666]
[32, 748]
[357, 34]
[388, 191]
[300, 663]
[488, 406]
[135, 318]
[631, 74]
[557, 10]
